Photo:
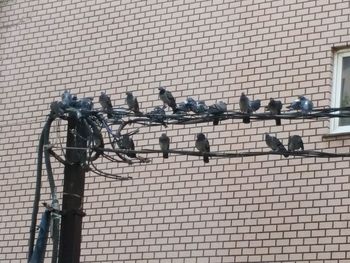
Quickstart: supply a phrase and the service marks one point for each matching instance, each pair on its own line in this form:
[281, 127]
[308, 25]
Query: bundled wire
[301, 153]
[96, 124]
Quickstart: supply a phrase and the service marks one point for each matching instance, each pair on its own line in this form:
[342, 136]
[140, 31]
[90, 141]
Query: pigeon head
[200, 136]
[242, 94]
[301, 98]
[163, 134]
[129, 93]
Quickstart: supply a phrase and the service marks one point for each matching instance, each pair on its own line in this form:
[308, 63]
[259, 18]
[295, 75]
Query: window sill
[334, 135]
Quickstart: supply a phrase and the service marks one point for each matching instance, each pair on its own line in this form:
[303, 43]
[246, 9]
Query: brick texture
[256, 209]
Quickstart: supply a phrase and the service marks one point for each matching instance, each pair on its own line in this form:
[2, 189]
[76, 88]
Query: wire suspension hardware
[104, 138]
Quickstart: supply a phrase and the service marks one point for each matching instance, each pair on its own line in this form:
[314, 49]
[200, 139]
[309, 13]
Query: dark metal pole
[73, 193]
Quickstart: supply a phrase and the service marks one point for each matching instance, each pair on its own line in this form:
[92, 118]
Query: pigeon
[295, 105]
[202, 145]
[157, 115]
[255, 105]
[67, 99]
[182, 107]
[86, 103]
[306, 105]
[132, 102]
[217, 109]
[164, 143]
[275, 144]
[244, 106]
[127, 143]
[275, 107]
[295, 142]
[191, 104]
[201, 107]
[167, 98]
[106, 104]
[56, 108]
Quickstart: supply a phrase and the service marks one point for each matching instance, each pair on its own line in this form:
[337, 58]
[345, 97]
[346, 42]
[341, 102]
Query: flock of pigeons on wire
[246, 105]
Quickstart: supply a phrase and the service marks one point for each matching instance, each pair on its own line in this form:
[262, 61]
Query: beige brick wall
[256, 209]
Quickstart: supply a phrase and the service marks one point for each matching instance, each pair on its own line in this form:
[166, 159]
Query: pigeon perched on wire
[218, 108]
[306, 105]
[191, 104]
[167, 98]
[255, 105]
[275, 144]
[67, 99]
[303, 104]
[275, 107]
[127, 143]
[132, 102]
[57, 108]
[295, 105]
[201, 107]
[164, 142]
[244, 106]
[182, 107]
[106, 104]
[295, 142]
[86, 103]
[202, 145]
[157, 115]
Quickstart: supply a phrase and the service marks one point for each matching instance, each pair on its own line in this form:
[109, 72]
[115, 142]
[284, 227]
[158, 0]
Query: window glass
[345, 89]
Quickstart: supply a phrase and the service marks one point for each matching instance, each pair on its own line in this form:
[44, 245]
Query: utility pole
[73, 192]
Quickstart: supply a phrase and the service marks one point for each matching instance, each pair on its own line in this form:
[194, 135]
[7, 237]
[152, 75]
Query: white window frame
[336, 90]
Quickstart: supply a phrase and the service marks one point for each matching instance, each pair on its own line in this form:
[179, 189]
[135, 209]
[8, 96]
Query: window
[341, 89]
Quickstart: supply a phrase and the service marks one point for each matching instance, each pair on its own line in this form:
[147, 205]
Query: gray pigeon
[202, 145]
[86, 103]
[275, 107]
[295, 142]
[67, 99]
[255, 105]
[306, 105]
[106, 104]
[132, 102]
[182, 107]
[217, 109]
[244, 106]
[127, 143]
[191, 104]
[56, 108]
[167, 98]
[164, 143]
[201, 107]
[157, 115]
[295, 105]
[275, 144]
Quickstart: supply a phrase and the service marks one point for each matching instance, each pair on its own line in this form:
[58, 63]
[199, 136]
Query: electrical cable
[37, 189]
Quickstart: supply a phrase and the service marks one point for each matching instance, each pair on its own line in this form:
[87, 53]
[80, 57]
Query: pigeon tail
[165, 155]
[206, 158]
